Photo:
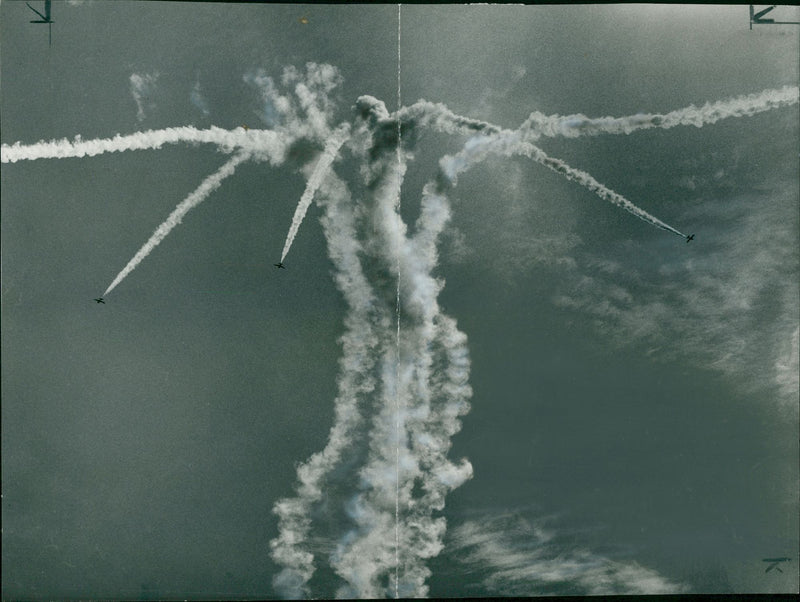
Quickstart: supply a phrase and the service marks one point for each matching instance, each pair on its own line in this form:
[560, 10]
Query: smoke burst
[385, 471]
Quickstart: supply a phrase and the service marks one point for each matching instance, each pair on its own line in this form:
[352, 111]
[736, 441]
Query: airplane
[690, 238]
[775, 562]
[279, 265]
[45, 18]
[100, 300]
[757, 18]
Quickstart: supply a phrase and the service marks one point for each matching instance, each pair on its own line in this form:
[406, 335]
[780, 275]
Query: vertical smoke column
[363, 321]
[423, 389]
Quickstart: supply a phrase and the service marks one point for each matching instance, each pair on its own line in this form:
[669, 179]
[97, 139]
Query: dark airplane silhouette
[100, 300]
[45, 18]
[690, 238]
[775, 562]
[279, 265]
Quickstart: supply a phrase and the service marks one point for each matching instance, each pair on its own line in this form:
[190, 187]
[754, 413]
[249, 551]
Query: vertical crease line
[397, 359]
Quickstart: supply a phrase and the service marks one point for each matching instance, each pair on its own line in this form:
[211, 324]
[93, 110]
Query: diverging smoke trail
[572, 126]
[477, 149]
[355, 477]
[324, 163]
[441, 119]
[209, 185]
[432, 384]
[266, 142]
[428, 408]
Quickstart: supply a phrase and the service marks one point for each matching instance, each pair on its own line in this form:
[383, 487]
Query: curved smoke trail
[209, 185]
[363, 321]
[441, 119]
[423, 113]
[385, 471]
[402, 457]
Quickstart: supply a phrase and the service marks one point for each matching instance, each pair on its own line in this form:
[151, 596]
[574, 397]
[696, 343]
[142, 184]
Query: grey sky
[635, 399]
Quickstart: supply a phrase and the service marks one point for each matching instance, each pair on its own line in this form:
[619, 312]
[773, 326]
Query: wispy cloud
[511, 556]
[787, 366]
[304, 105]
[197, 99]
[143, 86]
[732, 308]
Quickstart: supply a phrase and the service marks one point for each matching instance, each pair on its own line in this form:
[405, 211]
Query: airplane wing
[38, 13]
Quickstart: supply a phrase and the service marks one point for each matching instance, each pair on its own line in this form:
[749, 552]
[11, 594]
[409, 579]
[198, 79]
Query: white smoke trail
[374, 509]
[399, 151]
[324, 163]
[441, 119]
[406, 474]
[572, 126]
[423, 392]
[478, 148]
[391, 477]
[308, 112]
[423, 113]
[364, 320]
[427, 381]
[262, 142]
[209, 185]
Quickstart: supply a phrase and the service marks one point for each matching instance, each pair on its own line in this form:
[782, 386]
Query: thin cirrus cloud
[197, 99]
[511, 556]
[731, 309]
[143, 87]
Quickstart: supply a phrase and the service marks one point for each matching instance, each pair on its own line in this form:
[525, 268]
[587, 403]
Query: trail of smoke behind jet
[367, 242]
[478, 148]
[332, 147]
[438, 117]
[255, 141]
[422, 113]
[572, 126]
[209, 185]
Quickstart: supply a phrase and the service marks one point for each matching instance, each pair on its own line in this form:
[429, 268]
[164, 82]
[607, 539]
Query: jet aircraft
[100, 300]
[775, 562]
[690, 238]
[45, 18]
[279, 265]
